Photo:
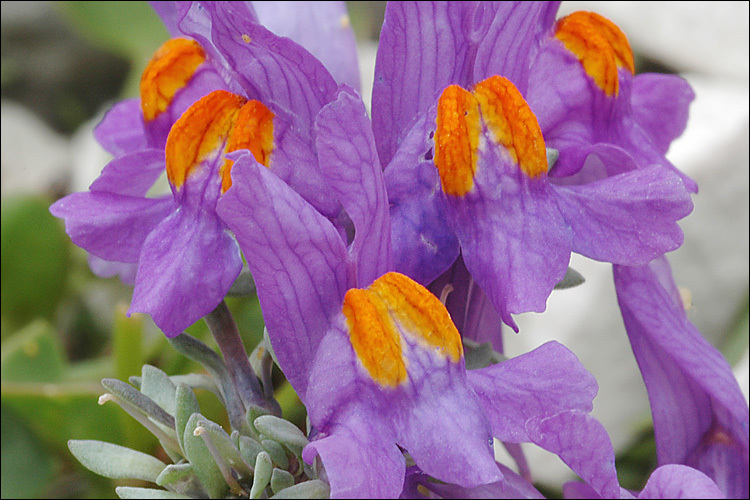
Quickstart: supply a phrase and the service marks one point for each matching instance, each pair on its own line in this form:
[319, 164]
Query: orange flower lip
[253, 130]
[170, 69]
[198, 132]
[512, 123]
[395, 305]
[215, 120]
[457, 140]
[599, 45]
[506, 114]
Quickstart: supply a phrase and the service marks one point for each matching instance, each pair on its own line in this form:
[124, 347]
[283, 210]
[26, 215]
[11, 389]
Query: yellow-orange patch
[254, 131]
[170, 69]
[374, 337]
[419, 313]
[200, 131]
[512, 123]
[599, 45]
[456, 140]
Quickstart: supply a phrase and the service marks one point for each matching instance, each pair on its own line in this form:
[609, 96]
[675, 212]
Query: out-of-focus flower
[491, 197]
[175, 249]
[603, 119]
[583, 444]
[700, 416]
[373, 355]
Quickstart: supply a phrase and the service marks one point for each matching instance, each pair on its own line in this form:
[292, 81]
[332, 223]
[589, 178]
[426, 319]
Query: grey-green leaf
[249, 449]
[185, 405]
[227, 449]
[280, 430]
[571, 279]
[147, 493]
[276, 452]
[263, 471]
[480, 355]
[197, 381]
[203, 462]
[156, 385]
[136, 398]
[281, 479]
[114, 461]
[173, 473]
[309, 489]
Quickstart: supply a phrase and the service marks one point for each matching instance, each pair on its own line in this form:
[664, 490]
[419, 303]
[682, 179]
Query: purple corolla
[373, 355]
[215, 88]
[467, 165]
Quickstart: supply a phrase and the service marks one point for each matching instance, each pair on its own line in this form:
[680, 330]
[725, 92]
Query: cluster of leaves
[262, 458]
[64, 330]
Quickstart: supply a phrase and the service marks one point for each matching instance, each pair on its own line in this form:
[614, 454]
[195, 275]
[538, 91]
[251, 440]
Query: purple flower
[186, 259]
[373, 355]
[467, 168]
[214, 92]
[700, 416]
[583, 444]
[601, 118]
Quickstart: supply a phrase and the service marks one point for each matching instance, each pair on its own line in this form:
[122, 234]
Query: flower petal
[446, 431]
[577, 490]
[583, 444]
[511, 486]
[399, 361]
[323, 28]
[423, 244]
[187, 266]
[132, 174]
[343, 414]
[121, 130]
[261, 65]
[426, 46]
[107, 269]
[360, 461]
[348, 159]
[700, 415]
[506, 46]
[679, 481]
[111, 226]
[471, 310]
[421, 51]
[297, 259]
[543, 382]
[660, 106]
[513, 238]
[629, 218]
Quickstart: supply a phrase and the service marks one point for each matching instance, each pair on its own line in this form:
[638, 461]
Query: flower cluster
[387, 253]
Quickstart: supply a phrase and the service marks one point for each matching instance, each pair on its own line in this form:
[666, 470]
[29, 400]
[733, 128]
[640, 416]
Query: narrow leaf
[185, 405]
[280, 430]
[116, 462]
[136, 398]
[249, 449]
[309, 489]
[276, 452]
[156, 385]
[263, 471]
[281, 479]
[203, 462]
[173, 473]
[146, 493]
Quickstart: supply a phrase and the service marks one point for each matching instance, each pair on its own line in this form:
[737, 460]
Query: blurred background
[63, 329]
